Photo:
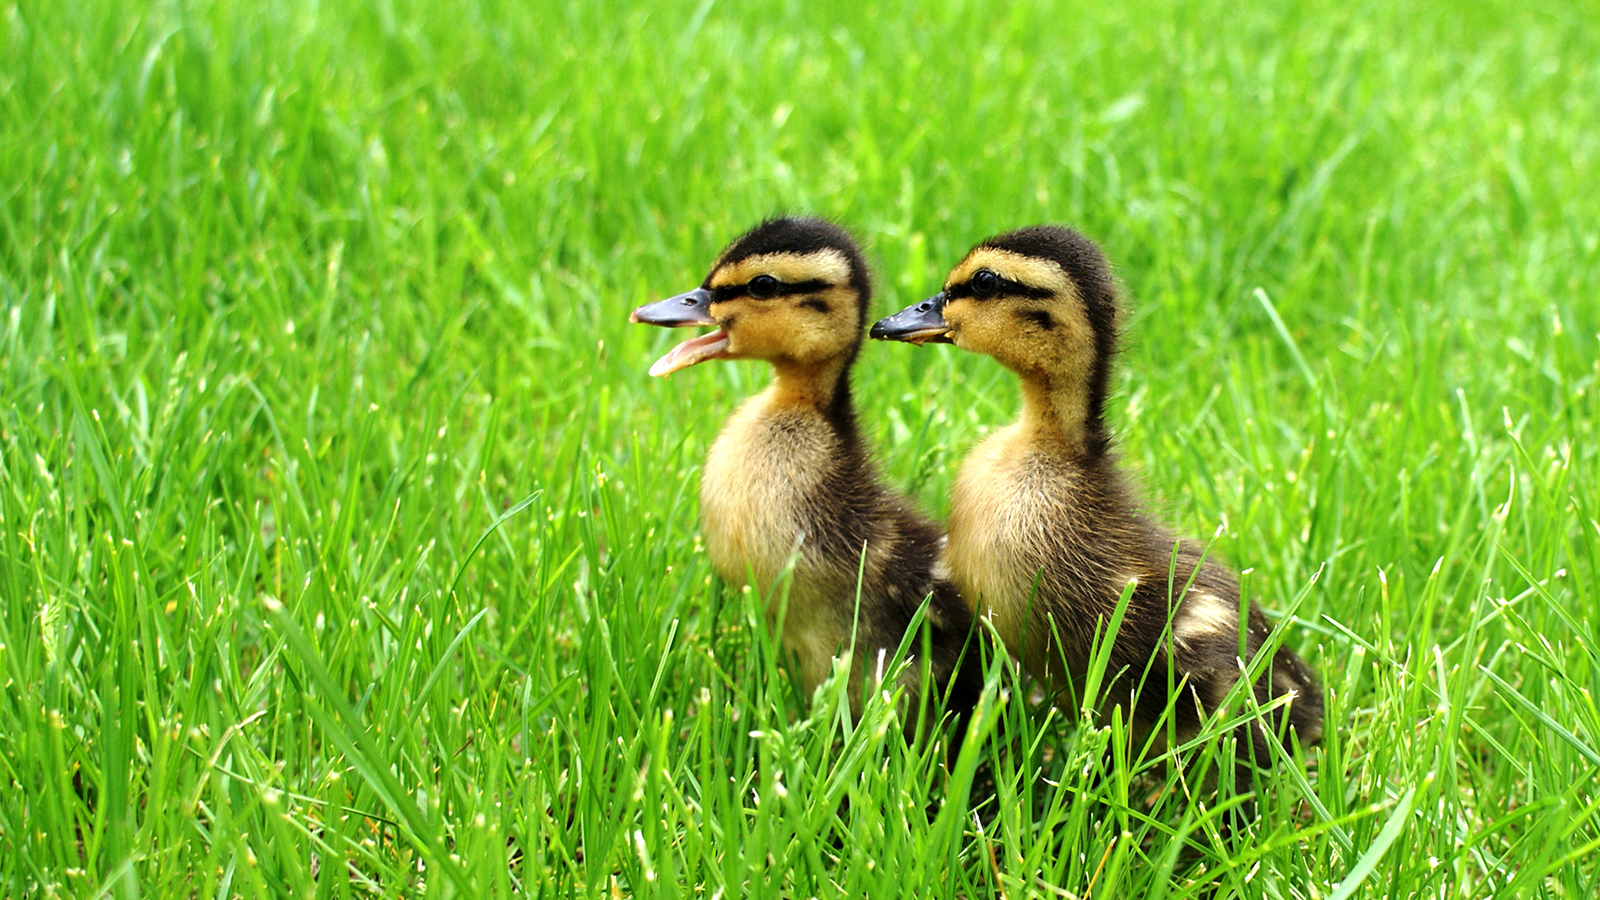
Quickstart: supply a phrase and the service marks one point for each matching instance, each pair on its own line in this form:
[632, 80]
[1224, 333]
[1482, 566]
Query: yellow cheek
[784, 329]
[971, 329]
[955, 316]
[812, 338]
[751, 333]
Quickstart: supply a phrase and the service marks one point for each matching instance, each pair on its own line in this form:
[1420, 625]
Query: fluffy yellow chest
[1002, 509]
[754, 488]
[756, 493]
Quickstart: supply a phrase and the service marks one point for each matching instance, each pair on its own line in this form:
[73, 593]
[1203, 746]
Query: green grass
[345, 546]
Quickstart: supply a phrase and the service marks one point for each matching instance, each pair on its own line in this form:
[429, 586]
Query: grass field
[346, 548]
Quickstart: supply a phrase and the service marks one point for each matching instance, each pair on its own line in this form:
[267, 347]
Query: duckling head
[792, 291]
[1042, 301]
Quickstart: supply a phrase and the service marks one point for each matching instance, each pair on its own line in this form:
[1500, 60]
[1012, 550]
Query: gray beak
[683, 310]
[921, 323]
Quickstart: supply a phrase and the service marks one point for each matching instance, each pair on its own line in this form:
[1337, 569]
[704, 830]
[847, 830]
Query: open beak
[682, 311]
[922, 323]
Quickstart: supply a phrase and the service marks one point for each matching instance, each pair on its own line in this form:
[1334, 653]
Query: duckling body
[789, 481]
[1029, 524]
[1044, 532]
[782, 482]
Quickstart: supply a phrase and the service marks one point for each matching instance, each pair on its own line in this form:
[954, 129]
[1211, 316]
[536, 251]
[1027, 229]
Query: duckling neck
[824, 386]
[1057, 411]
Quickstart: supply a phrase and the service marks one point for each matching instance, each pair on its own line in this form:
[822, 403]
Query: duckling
[789, 478]
[1045, 534]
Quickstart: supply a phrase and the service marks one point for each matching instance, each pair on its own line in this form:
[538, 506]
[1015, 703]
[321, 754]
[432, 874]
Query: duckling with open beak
[789, 479]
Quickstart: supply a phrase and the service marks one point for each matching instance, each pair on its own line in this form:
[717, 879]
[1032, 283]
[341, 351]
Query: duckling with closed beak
[790, 481]
[1044, 533]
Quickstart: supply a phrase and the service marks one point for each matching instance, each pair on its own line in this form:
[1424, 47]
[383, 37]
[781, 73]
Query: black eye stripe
[1007, 288]
[815, 285]
[784, 289]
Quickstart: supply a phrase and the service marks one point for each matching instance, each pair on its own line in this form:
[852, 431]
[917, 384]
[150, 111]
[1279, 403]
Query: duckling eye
[762, 286]
[985, 283]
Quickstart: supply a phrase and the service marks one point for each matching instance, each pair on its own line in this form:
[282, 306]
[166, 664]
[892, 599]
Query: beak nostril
[924, 306]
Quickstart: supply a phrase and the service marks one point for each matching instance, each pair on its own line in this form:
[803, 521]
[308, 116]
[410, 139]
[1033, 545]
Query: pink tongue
[694, 350]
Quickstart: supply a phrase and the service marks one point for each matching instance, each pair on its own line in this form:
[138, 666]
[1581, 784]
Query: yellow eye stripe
[791, 268]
